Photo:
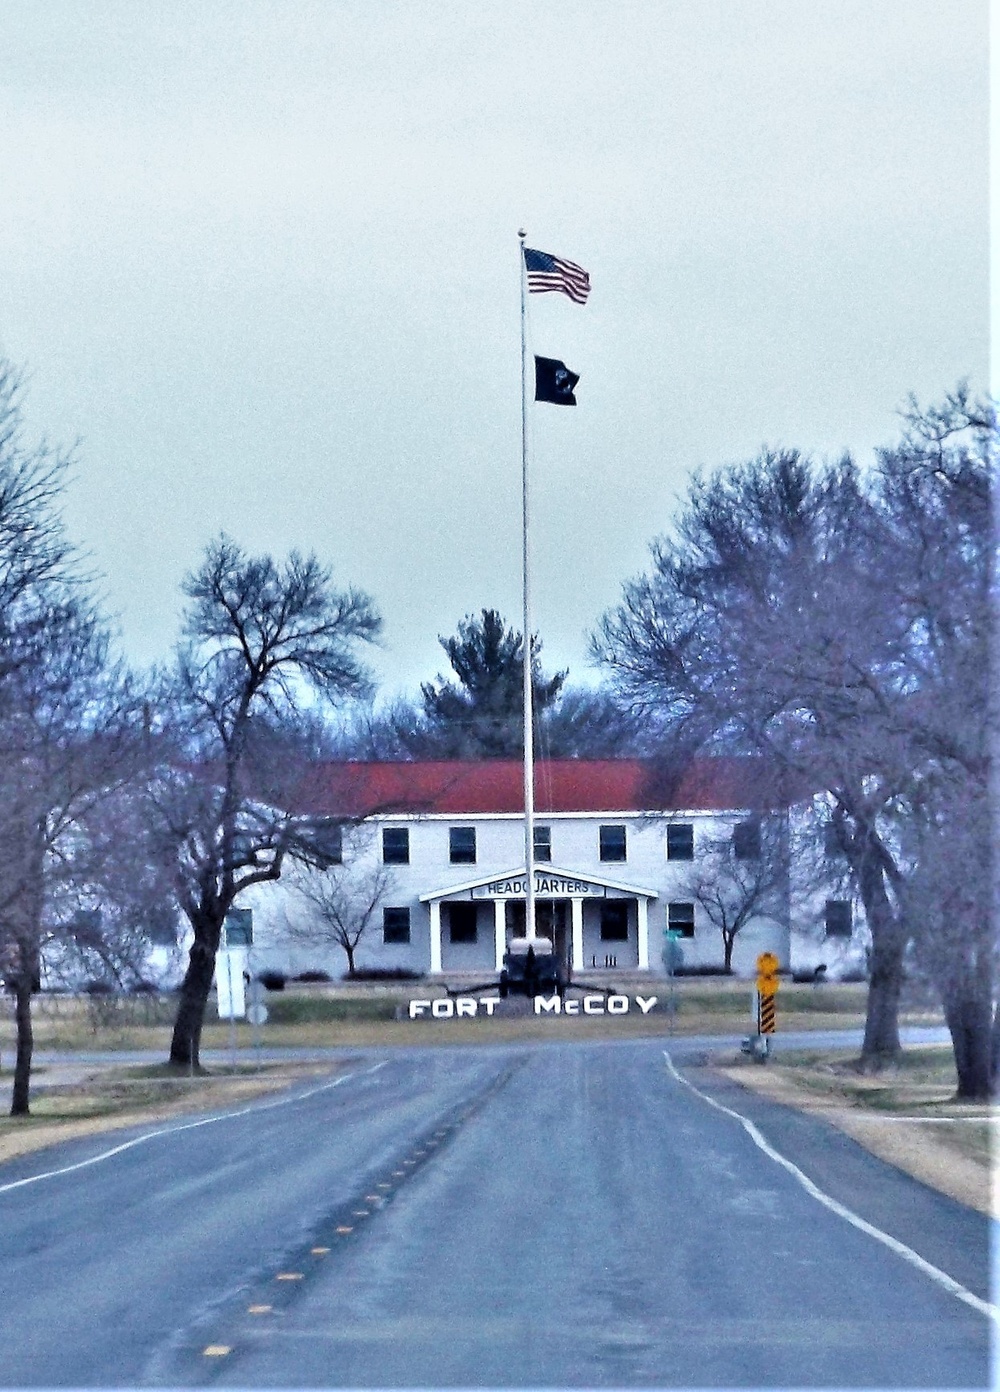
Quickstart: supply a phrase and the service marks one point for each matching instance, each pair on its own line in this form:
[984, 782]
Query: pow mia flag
[554, 382]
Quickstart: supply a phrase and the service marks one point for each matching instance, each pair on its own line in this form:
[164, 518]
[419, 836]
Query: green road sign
[237, 931]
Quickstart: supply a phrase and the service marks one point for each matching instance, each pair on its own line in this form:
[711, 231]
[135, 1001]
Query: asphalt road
[559, 1215]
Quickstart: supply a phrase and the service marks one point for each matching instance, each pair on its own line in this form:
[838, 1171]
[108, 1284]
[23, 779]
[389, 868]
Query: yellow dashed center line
[361, 1213]
[217, 1350]
[289, 1276]
[320, 1251]
[383, 1186]
[343, 1228]
[259, 1309]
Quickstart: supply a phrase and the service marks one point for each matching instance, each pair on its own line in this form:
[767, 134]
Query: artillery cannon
[531, 968]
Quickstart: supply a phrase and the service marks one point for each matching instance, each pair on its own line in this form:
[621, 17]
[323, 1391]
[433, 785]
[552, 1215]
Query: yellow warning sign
[767, 974]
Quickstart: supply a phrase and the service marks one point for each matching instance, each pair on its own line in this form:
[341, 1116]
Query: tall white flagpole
[529, 738]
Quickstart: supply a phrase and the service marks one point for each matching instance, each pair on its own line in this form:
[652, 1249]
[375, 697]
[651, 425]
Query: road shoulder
[910, 1146]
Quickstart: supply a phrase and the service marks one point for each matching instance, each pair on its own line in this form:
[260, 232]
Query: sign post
[672, 958]
[230, 970]
[758, 1046]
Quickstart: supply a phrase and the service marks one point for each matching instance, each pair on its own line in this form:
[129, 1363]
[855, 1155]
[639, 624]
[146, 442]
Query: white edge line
[939, 1277]
[187, 1126]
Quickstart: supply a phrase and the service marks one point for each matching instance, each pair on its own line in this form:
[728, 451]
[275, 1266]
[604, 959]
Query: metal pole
[232, 1012]
[529, 737]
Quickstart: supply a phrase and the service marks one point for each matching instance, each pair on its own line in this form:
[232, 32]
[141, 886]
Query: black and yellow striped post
[767, 989]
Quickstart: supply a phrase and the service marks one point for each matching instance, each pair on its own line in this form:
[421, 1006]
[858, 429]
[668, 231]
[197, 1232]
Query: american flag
[547, 272]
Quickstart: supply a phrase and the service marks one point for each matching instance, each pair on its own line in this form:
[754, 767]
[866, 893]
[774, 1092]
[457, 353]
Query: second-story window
[396, 845]
[543, 843]
[612, 842]
[462, 845]
[837, 918]
[680, 841]
[746, 840]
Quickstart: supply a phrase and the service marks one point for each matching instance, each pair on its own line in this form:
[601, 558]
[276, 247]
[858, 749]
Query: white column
[576, 922]
[435, 910]
[500, 930]
[642, 923]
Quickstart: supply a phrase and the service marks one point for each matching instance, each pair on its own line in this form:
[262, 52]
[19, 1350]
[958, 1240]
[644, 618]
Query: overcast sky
[260, 257]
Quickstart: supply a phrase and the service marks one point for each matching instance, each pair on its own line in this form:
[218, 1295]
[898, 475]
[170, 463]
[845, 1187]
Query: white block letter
[593, 1005]
[617, 1005]
[645, 1003]
[547, 1003]
[418, 1007]
[442, 1008]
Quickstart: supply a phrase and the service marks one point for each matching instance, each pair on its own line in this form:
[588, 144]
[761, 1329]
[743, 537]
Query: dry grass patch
[87, 1102]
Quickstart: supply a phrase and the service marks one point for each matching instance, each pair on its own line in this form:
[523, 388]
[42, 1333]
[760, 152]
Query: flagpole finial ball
[521, 233]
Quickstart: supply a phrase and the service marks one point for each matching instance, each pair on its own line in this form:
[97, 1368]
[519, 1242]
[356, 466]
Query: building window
[462, 845]
[746, 840]
[680, 919]
[543, 843]
[395, 925]
[462, 923]
[614, 920]
[837, 917]
[612, 840]
[332, 838]
[831, 842]
[680, 841]
[395, 845]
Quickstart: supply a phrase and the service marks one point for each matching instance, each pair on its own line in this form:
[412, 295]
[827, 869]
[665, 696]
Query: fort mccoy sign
[468, 1007]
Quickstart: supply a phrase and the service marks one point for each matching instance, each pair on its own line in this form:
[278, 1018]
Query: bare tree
[260, 638]
[733, 884]
[839, 625]
[342, 905]
[66, 718]
[760, 624]
[68, 741]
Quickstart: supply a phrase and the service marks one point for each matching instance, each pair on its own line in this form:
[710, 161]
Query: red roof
[463, 787]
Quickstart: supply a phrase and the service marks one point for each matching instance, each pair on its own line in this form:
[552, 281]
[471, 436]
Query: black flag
[554, 382]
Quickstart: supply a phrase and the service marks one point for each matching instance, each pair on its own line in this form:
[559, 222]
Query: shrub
[319, 1010]
[382, 974]
[272, 980]
[313, 976]
[702, 969]
[96, 987]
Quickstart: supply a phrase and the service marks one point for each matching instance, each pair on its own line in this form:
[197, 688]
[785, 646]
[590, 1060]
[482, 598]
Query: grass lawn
[321, 1017]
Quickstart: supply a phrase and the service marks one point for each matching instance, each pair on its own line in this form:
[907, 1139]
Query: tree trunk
[185, 1045]
[967, 1013]
[25, 1045]
[349, 949]
[881, 1046]
[727, 951]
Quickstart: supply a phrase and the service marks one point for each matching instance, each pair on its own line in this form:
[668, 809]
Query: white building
[616, 844]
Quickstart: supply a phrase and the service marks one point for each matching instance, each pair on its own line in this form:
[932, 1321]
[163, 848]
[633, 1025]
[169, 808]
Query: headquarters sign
[515, 887]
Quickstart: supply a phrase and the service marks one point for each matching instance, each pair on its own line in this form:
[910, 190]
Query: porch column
[576, 922]
[500, 930]
[642, 924]
[434, 906]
